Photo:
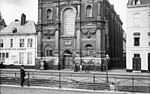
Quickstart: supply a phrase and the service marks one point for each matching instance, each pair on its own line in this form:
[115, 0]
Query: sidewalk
[14, 89]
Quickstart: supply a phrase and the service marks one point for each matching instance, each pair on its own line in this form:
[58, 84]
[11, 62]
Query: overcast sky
[12, 9]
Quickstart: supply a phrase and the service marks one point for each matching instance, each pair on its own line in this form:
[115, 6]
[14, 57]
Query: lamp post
[107, 58]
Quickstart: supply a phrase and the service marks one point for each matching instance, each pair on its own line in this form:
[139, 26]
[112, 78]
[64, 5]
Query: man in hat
[22, 75]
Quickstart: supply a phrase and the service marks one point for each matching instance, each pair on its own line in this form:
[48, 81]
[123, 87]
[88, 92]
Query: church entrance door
[67, 59]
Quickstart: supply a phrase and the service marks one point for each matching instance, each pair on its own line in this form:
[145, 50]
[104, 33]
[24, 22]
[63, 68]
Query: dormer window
[136, 2]
[88, 11]
[14, 30]
[49, 13]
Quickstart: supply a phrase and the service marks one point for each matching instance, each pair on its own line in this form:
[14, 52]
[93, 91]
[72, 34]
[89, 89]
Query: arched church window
[69, 21]
[49, 13]
[48, 50]
[88, 50]
[88, 11]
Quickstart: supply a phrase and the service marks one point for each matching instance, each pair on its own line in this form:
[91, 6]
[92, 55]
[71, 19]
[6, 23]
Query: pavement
[14, 89]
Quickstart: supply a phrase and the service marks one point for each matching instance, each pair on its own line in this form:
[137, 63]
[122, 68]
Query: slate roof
[131, 2]
[15, 27]
[2, 24]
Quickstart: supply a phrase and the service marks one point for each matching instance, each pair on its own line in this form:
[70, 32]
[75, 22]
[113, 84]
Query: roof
[138, 2]
[2, 24]
[15, 27]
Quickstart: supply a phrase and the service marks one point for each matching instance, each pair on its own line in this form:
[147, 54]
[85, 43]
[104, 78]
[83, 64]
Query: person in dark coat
[75, 68]
[85, 68]
[22, 75]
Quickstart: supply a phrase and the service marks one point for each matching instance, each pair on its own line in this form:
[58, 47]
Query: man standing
[22, 74]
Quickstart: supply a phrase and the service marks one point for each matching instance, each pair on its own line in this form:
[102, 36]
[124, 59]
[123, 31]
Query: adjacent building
[18, 43]
[138, 35]
[78, 32]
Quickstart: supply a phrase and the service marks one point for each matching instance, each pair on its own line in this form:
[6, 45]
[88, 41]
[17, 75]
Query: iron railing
[92, 81]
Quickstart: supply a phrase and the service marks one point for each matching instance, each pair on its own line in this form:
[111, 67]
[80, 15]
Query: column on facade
[107, 36]
[39, 45]
[40, 13]
[78, 40]
[103, 42]
[57, 13]
[98, 41]
[56, 41]
[78, 15]
[99, 10]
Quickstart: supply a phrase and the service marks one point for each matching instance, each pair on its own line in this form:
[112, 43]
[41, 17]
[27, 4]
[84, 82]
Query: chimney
[23, 19]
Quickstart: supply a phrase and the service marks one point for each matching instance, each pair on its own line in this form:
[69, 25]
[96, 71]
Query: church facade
[78, 32]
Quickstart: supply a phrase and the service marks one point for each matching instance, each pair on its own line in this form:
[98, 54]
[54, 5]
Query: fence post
[15, 76]
[71, 77]
[0, 76]
[28, 79]
[149, 87]
[59, 80]
[94, 80]
[115, 84]
[133, 83]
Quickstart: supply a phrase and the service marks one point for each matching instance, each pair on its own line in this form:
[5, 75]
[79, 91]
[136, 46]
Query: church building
[78, 32]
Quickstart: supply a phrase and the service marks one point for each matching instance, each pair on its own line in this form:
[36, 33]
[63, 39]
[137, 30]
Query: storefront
[17, 56]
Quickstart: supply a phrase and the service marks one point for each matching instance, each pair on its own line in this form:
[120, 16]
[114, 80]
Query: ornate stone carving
[88, 32]
[49, 33]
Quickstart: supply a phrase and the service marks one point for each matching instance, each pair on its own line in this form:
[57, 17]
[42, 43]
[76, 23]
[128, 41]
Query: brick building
[71, 31]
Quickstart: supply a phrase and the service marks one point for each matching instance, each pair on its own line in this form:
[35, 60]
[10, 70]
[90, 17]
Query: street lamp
[107, 58]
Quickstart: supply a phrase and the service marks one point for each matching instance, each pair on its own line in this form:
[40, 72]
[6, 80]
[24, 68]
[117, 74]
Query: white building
[138, 36]
[18, 43]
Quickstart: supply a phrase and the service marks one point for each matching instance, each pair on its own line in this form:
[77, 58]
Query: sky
[12, 9]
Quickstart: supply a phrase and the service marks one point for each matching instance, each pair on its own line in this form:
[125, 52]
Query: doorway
[67, 59]
[137, 62]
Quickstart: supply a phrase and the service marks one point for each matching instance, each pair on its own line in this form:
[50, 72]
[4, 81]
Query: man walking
[22, 74]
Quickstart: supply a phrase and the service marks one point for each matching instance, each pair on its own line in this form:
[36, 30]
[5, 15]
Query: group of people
[81, 68]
